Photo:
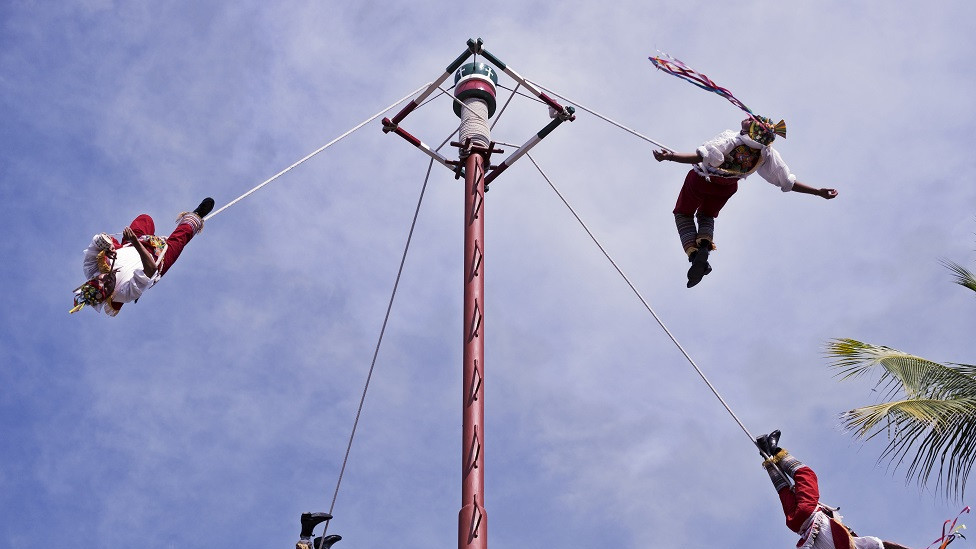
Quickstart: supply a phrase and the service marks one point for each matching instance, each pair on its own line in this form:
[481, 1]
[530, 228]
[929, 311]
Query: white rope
[644, 301]
[379, 341]
[474, 123]
[317, 151]
[598, 115]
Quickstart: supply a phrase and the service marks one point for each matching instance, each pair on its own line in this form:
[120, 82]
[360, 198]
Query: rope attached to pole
[647, 306]
[386, 318]
[376, 351]
[315, 152]
[598, 115]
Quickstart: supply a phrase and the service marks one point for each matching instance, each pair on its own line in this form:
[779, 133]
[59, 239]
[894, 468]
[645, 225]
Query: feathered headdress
[92, 292]
[764, 131]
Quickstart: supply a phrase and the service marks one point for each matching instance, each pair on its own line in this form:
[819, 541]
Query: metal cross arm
[478, 81]
[532, 142]
[390, 126]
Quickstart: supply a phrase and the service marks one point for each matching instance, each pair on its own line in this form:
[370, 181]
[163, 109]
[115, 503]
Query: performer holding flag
[719, 164]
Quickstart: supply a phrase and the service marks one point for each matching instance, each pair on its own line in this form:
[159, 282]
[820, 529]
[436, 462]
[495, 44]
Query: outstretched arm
[148, 263]
[682, 158]
[806, 189]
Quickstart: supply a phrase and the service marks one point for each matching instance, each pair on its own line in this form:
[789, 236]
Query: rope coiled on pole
[474, 123]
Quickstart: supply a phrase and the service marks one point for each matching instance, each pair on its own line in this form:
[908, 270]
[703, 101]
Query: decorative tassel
[674, 67]
[780, 128]
[104, 264]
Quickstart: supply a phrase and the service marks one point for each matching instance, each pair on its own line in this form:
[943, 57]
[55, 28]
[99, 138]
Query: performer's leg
[802, 501]
[687, 231]
[706, 229]
[143, 225]
[715, 195]
[187, 226]
[175, 243]
[703, 247]
[689, 200]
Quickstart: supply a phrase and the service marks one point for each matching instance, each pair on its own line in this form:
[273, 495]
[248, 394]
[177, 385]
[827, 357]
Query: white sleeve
[90, 263]
[132, 289]
[868, 542]
[714, 150]
[776, 171]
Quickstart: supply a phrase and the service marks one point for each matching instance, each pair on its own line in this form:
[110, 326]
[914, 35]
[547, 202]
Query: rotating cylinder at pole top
[474, 86]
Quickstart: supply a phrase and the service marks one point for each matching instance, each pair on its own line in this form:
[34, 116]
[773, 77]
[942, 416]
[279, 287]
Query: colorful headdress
[675, 67]
[763, 130]
[92, 292]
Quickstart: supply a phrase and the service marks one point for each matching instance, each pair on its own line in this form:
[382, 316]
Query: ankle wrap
[192, 220]
[779, 479]
[789, 464]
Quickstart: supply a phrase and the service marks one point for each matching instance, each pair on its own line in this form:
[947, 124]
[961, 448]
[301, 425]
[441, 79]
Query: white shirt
[770, 167]
[130, 281]
[816, 535]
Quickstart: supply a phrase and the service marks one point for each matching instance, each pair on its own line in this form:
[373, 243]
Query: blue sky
[218, 408]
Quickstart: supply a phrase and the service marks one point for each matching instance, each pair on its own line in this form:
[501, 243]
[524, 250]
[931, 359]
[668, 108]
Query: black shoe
[761, 444]
[326, 542]
[768, 444]
[773, 440]
[205, 207]
[311, 520]
[699, 266]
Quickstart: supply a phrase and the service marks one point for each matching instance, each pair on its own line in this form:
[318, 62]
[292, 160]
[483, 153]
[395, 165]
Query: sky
[217, 409]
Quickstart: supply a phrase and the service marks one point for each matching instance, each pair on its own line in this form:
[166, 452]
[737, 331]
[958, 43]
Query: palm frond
[929, 421]
[901, 372]
[940, 434]
[963, 276]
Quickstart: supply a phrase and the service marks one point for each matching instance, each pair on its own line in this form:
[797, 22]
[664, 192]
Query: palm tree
[930, 414]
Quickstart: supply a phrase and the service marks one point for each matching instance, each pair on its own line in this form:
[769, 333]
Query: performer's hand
[828, 193]
[663, 155]
[128, 235]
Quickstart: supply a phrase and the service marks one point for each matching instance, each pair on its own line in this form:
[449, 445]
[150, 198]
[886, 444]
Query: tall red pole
[472, 520]
[475, 89]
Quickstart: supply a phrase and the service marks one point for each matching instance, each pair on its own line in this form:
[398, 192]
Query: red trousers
[703, 196]
[801, 501]
[143, 225]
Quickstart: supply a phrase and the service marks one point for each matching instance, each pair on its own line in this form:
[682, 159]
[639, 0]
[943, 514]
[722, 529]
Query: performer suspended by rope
[120, 272]
[719, 164]
[818, 525]
[309, 522]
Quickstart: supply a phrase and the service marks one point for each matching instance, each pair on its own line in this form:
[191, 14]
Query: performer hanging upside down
[718, 166]
[819, 525]
[120, 272]
[309, 522]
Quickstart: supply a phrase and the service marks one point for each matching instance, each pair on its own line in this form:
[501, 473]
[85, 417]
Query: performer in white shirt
[718, 166]
[119, 273]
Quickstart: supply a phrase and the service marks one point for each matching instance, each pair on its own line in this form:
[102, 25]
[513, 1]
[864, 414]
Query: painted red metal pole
[472, 519]
[475, 90]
